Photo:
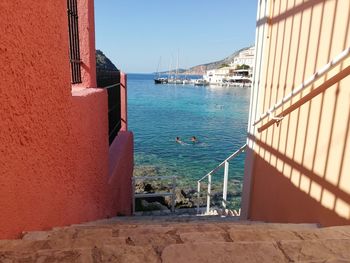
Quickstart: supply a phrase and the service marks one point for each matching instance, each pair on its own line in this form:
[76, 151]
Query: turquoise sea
[157, 114]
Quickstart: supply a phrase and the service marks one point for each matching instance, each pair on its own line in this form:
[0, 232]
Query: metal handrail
[209, 176]
[226, 160]
[112, 86]
[317, 75]
[144, 178]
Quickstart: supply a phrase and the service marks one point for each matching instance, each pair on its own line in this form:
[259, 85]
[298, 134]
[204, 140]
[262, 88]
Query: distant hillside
[104, 63]
[201, 69]
[106, 72]
[180, 71]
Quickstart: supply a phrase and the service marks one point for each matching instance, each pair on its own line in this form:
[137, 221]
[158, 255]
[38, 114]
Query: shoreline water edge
[216, 116]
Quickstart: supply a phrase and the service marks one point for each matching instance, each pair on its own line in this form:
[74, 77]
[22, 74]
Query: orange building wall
[54, 153]
[86, 12]
[301, 168]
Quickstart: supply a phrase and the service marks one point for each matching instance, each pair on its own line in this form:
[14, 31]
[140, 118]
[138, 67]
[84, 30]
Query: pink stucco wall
[104, 171]
[121, 163]
[87, 43]
[54, 153]
[124, 101]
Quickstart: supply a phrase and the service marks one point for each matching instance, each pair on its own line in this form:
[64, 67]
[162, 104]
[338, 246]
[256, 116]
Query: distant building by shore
[245, 57]
[237, 73]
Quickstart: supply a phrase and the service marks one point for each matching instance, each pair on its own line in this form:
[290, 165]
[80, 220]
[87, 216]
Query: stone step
[123, 230]
[223, 252]
[157, 220]
[285, 251]
[218, 251]
[161, 240]
[329, 250]
[22, 245]
[107, 253]
[160, 236]
[213, 251]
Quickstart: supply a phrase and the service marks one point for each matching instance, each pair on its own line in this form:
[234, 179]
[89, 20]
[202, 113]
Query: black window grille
[74, 48]
[110, 80]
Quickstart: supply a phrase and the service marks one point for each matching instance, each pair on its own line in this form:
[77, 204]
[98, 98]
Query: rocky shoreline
[185, 195]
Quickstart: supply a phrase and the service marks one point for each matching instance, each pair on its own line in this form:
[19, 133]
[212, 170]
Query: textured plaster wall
[104, 173]
[87, 43]
[54, 154]
[124, 101]
[301, 170]
[121, 165]
[35, 95]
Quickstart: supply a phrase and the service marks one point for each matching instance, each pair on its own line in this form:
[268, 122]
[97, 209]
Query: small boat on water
[160, 81]
[201, 82]
[175, 81]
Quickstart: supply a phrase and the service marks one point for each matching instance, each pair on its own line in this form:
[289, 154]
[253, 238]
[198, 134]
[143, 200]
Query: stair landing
[180, 239]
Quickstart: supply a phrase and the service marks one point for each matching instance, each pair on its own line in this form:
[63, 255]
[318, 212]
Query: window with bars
[74, 48]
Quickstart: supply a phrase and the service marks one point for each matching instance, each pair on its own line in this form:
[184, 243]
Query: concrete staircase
[180, 239]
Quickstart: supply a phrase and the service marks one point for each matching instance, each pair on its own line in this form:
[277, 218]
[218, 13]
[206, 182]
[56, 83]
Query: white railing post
[209, 193]
[174, 195]
[209, 176]
[224, 192]
[198, 195]
[133, 196]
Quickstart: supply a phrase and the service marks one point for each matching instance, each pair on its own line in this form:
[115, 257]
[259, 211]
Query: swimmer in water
[194, 139]
[178, 140]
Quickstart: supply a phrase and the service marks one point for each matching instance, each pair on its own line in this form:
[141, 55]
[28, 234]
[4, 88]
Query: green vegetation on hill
[104, 63]
[224, 65]
[242, 67]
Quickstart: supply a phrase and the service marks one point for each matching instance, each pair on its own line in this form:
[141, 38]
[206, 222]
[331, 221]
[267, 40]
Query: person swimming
[178, 140]
[194, 139]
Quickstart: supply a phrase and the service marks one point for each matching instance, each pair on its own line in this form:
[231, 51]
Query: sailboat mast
[158, 73]
[177, 65]
[170, 65]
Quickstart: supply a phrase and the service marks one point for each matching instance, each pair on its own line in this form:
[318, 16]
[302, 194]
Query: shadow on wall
[290, 12]
[301, 167]
[305, 186]
[299, 194]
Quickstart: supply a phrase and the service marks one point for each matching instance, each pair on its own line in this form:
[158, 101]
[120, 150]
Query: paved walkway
[180, 240]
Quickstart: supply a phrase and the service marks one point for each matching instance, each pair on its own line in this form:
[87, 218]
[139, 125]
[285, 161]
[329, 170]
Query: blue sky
[134, 34]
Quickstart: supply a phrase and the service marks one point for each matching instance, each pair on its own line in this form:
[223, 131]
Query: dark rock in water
[146, 170]
[185, 197]
[236, 182]
[146, 206]
[148, 188]
[140, 187]
[190, 193]
[180, 199]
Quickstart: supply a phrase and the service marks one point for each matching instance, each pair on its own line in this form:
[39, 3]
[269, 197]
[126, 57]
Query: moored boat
[160, 81]
[201, 82]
